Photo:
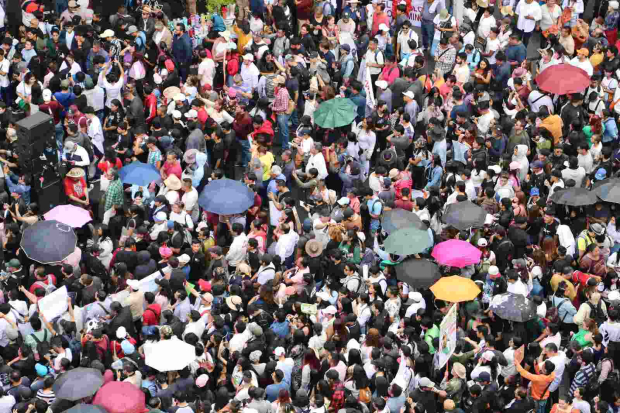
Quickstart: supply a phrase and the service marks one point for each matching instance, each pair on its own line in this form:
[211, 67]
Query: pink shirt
[390, 74]
[173, 169]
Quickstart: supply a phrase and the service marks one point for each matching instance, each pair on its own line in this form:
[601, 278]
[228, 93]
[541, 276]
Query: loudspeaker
[49, 195]
[36, 145]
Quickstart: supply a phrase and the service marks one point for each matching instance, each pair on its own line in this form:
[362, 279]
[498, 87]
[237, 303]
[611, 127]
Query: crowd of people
[295, 305]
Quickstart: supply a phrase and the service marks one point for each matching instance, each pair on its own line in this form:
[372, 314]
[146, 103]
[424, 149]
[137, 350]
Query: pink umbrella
[70, 215]
[120, 397]
[456, 253]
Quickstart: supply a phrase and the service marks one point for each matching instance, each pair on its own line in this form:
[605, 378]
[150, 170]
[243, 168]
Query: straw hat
[173, 183]
[314, 248]
[76, 173]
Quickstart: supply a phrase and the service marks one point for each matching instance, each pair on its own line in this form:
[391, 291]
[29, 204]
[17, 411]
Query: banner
[415, 16]
[370, 96]
[447, 338]
[55, 304]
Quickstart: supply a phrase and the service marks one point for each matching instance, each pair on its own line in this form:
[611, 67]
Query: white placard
[55, 304]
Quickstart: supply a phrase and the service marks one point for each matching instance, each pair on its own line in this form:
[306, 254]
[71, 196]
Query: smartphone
[302, 203]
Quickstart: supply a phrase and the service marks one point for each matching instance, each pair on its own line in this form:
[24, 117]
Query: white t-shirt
[606, 83]
[113, 91]
[206, 71]
[492, 46]
[437, 22]
[375, 57]
[4, 67]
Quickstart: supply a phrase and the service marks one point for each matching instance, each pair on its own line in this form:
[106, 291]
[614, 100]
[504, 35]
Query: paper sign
[308, 308]
[188, 287]
[520, 354]
[447, 338]
[55, 304]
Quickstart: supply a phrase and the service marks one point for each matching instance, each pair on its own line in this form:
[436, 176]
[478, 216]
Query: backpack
[43, 347]
[365, 395]
[369, 258]
[49, 287]
[76, 348]
[270, 87]
[304, 78]
[382, 208]
[596, 313]
[553, 313]
[361, 287]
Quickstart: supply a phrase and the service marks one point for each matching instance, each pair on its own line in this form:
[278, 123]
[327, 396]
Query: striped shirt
[47, 397]
[582, 377]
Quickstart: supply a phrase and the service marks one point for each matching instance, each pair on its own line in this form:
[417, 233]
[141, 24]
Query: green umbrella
[407, 241]
[335, 113]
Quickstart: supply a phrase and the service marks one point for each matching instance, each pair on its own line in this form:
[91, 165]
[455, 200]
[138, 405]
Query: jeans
[434, 47]
[246, 156]
[5, 95]
[428, 31]
[283, 127]
[525, 37]
[60, 133]
[539, 405]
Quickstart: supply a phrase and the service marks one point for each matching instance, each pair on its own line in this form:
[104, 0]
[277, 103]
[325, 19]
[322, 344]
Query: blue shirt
[611, 131]
[272, 187]
[281, 329]
[14, 186]
[516, 53]
[273, 391]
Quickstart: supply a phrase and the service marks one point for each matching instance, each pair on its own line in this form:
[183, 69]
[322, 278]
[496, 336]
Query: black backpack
[43, 347]
[596, 313]
[304, 78]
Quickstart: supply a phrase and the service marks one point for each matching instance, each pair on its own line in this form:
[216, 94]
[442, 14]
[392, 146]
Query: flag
[370, 96]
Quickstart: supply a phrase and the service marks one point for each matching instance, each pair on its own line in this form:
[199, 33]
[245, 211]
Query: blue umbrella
[138, 173]
[226, 197]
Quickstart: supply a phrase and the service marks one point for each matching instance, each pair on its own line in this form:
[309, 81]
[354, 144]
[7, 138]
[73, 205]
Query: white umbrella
[170, 355]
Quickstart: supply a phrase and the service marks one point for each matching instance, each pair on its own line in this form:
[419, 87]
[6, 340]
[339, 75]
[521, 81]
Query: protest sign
[54, 304]
[447, 338]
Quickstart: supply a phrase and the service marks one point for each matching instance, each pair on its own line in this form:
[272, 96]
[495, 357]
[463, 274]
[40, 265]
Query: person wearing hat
[581, 61]
[73, 10]
[249, 72]
[76, 188]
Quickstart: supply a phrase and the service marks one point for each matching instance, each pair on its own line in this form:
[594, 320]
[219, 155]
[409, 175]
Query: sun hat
[314, 248]
[76, 173]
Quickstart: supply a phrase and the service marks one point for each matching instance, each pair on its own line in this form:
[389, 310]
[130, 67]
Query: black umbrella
[78, 383]
[513, 307]
[464, 215]
[48, 242]
[608, 190]
[574, 197]
[86, 408]
[396, 219]
[418, 273]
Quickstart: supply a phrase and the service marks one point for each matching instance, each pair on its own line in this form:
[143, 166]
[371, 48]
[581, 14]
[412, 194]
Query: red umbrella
[119, 397]
[563, 79]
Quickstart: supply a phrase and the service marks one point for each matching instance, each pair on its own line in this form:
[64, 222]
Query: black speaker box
[49, 195]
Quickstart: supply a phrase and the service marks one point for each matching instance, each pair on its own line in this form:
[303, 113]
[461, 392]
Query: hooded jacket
[146, 265]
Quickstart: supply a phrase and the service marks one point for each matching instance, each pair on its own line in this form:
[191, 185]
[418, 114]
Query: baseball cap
[279, 351]
[47, 95]
[597, 228]
[484, 376]
[344, 201]
[409, 94]
[191, 114]
[426, 382]
[534, 192]
[601, 173]
[482, 242]
[345, 47]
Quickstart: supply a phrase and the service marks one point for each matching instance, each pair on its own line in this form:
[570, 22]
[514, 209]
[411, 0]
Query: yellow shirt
[557, 279]
[267, 160]
[242, 39]
[596, 59]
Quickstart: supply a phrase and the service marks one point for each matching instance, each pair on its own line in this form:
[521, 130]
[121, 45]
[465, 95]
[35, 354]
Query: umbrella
[120, 397]
[226, 197]
[48, 242]
[563, 79]
[456, 253]
[464, 215]
[171, 92]
[335, 113]
[71, 215]
[170, 355]
[574, 197]
[407, 241]
[513, 307]
[608, 190]
[400, 218]
[78, 383]
[138, 173]
[455, 289]
[86, 408]
[418, 273]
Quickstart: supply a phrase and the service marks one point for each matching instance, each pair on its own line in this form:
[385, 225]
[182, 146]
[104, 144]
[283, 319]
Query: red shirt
[53, 108]
[119, 350]
[402, 204]
[105, 165]
[39, 283]
[150, 107]
[151, 315]
[173, 169]
[242, 125]
[75, 188]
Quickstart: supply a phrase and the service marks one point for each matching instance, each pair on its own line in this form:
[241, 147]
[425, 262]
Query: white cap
[134, 284]
[47, 95]
[184, 259]
[179, 96]
[279, 351]
[488, 355]
[415, 297]
[191, 114]
[383, 27]
[381, 84]
[248, 57]
[157, 79]
[409, 94]
[177, 114]
[121, 332]
[482, 242]
[163, 72]
[330, 310]
[344, 201]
